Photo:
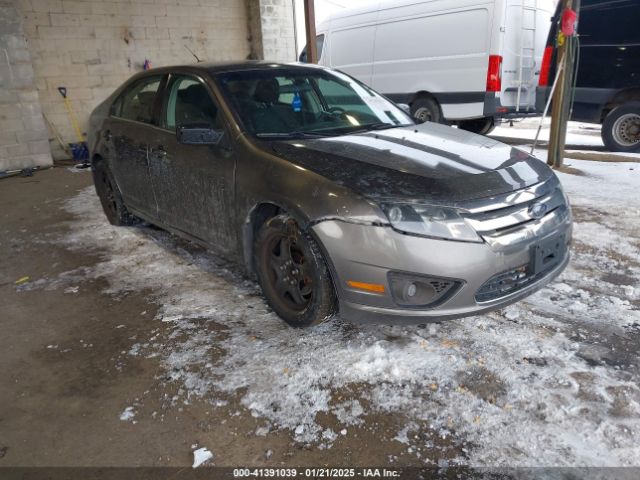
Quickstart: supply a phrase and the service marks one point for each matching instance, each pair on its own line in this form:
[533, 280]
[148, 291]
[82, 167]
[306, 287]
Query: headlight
[430, 221]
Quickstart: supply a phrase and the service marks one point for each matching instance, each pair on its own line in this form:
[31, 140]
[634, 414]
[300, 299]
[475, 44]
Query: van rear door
[526, 28]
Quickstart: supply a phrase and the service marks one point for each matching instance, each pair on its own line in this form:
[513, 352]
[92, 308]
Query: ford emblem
[537, 210]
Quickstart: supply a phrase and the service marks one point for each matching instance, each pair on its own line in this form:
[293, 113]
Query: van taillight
[494, 74]
[546, 67]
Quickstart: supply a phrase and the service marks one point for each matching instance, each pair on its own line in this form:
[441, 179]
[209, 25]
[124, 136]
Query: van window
[137, 102]
[319, 46]
[603, 22]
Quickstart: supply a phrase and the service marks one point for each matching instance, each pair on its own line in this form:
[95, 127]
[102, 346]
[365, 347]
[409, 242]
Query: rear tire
[293, 274]
[481, 126]
[426, 109]
[621, 128]
[110, 197]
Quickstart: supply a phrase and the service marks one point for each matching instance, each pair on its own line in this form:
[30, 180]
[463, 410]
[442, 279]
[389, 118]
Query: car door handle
[108, 136]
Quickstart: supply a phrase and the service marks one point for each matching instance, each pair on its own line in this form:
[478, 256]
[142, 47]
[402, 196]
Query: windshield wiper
[375, 126]
[296, 134]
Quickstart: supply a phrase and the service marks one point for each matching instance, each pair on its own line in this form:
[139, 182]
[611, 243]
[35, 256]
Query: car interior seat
[271, 116]
[143, 108]
[194, 105]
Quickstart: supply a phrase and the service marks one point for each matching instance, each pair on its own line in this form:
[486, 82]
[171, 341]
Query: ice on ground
[128, 414]
[552, 380]
[201, 456]
[578, 133]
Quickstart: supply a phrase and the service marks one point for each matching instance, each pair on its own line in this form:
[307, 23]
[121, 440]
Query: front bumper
[366, 253]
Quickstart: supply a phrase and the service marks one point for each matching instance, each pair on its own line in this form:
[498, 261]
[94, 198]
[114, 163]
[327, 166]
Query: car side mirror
[198, 134]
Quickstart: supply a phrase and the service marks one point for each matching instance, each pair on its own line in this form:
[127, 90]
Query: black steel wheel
[293, 274]
[621, 128]
[426, 109]
[110, 197]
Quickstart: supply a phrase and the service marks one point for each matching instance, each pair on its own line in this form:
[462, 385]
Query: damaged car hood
[428, 161]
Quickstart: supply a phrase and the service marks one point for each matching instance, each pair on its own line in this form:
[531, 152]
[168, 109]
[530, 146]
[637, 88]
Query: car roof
[214, 68]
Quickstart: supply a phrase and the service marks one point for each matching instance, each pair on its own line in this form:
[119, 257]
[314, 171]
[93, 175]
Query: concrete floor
[564, 362]
[63, 382]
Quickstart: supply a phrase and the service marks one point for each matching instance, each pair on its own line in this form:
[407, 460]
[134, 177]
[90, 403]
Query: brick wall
[23, 135]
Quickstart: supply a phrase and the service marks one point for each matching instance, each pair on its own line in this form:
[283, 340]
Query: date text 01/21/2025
[315, 473]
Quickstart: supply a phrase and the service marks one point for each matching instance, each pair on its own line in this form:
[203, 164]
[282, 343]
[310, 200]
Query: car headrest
[267, 91]
[194, 94]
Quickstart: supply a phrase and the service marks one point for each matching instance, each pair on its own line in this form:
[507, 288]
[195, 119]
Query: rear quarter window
[137, 102]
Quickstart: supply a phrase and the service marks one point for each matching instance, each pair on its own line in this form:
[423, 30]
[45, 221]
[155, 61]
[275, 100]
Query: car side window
[137, 102]
[188, 102]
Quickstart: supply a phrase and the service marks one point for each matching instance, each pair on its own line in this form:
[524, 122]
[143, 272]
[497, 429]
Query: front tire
[293, 275]
[110, 197]
[621, 128]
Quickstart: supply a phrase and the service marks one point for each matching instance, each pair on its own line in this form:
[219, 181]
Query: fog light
[419, 292]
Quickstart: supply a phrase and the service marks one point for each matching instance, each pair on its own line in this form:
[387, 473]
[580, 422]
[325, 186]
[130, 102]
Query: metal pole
[295, 29]
[310, 25]
[562, 98]
[546, 109]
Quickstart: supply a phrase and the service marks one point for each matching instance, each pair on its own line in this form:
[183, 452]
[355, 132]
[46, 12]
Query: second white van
[467, 62]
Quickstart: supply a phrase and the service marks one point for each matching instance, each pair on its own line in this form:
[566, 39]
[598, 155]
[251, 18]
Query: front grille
[511, 281]
[505, 283]
[517, 216]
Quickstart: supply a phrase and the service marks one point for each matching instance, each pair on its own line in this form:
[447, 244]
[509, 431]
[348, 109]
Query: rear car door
[193, 183]
[127, 130]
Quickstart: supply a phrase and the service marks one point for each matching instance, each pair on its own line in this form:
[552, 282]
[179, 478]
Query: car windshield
[293, 103]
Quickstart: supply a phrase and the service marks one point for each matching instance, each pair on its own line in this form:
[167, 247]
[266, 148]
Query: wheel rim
[290, 272]
[626, 130]
[423, 114]
[109, 194]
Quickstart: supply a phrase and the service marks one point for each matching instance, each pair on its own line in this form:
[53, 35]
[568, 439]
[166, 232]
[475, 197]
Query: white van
[467, 62]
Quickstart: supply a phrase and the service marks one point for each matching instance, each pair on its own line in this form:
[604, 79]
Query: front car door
[194, 184]
[127, 130]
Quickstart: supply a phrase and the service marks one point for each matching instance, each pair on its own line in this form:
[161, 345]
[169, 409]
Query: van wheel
[425, 109]
[110, 197]
[481, 126]
[621, 128]
[293, 274]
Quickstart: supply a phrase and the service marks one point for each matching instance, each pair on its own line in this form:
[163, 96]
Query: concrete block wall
[92, 46]
[278, 40]
[23, 134]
